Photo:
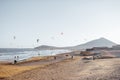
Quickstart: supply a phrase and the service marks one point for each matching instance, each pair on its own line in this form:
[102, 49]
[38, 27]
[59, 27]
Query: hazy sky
[79, 21]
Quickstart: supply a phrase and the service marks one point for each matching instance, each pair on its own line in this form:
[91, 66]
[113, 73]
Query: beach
[64, 67]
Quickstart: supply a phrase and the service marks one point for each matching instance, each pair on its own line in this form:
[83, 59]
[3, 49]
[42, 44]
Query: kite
[61, 33]
[37, 40]
[14, 37]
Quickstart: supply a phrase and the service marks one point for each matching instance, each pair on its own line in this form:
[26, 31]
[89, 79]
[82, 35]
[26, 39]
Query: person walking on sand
[93, 57]
[55, 57]
[72, 57]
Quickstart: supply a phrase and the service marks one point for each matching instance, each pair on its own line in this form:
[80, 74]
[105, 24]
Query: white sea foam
[10, 56]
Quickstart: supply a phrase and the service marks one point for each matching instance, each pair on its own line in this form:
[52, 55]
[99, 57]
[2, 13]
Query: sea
[9, 54]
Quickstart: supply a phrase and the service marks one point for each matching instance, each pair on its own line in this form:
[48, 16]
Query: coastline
[21, 54]
[7, 69]
[66, 69]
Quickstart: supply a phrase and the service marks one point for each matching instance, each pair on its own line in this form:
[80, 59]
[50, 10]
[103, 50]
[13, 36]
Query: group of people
[16, 59]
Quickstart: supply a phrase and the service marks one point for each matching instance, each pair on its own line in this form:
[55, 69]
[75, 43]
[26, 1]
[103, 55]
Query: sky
[57, 22]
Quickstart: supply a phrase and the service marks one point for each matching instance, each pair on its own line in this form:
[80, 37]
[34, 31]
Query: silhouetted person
[15, 60]
[93, 57]
[54, 57]
[71, 57]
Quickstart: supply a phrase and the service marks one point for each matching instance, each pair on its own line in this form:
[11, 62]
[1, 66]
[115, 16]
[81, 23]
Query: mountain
[101, 42]
[46, 47]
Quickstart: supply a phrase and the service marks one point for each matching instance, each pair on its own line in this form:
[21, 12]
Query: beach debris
[88, 58]
[86, 53]
[66, 55]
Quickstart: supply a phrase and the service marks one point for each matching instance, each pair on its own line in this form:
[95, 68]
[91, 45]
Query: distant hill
[46, 47]
[101, 42]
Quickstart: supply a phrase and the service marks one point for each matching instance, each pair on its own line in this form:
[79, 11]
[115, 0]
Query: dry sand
[72, 69]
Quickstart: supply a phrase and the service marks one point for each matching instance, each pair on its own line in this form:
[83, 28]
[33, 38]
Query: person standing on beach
[54, 57]
[93, 57]
[72, 57]
[15, 60]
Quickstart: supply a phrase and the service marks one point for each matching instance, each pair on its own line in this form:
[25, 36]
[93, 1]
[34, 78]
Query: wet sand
[71, 69]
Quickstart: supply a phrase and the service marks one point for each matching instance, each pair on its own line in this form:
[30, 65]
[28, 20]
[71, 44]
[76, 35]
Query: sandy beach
[63, 68]
[59, 40]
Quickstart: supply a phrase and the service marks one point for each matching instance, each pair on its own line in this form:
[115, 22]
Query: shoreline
[29, 64]
[66, 69]
[22, 56]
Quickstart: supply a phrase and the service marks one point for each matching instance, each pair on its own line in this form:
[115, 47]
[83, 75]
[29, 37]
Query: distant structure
[117, 47]
[101, 52]
[98, 48]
